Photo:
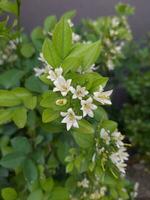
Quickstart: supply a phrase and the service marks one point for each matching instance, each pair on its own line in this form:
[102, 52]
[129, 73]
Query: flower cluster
[114, 42]
[90, 190]
[8, 54]
[118, 155]
[114, 33]
[65, 87]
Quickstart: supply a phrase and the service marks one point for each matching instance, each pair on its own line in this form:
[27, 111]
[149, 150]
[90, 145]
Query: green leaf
[124, 9]
[84, 135]
[47, 184]
[62, 38]
[8, 6]
[87, 52]
[84, 140]
[12, 160]
[9, 193]
[71, 63]
[48, 99]
[19, 117]
[85, 126]
[49, 23]
[70, 14]
[37, 34]
[109, 125]
[35, 85]
[93, 80]
[30, 102]
[60, 192]
[27, 50]
[53, 127]
[36, 195]
[21, 93]
[30, 171]
[100, 114]
[49, 115]
[7, 98]
[21, 144]
[92, 54]
[69, 167]
[49, 53]
[11, 78]
[5, 115]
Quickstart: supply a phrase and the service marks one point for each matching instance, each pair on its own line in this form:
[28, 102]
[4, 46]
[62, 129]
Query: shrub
[114, 33]
[135, 114]
[56, 139]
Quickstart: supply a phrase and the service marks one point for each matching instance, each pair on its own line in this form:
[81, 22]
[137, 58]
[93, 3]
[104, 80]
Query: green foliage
[114, 33]
[9, 194]
[134, 77]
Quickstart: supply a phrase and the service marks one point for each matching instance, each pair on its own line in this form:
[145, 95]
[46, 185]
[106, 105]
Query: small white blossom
[39, 71]
[88, 107]
[84, 183]
[55, 74]
[76, 37]
[105, 135]
[41, 58]
[95, 195]
[103, 97]
[103, 190]
[119, 158]
[12, 44]
[70, 23]
[62, 85]
[110, 65]
[118, 137]
[79, 92]
[118, 49]
[122, 154]
[115, 21]
[70, 119]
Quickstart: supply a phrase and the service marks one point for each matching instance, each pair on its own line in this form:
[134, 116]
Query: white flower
[115, 21]
[118, 137]
[103, 190]
[79, 92]
[119, 158]
[105, 135]
[70, 119]
[62, 85]
[12, 44]
[70, 23]
[118, 49]
[76, 37]
[41, 58]
[39, 71]
[110, 64]
[122, 154]
[55, 74]
[103, 97]
[84, 183]
[88, 107]
[95, 195]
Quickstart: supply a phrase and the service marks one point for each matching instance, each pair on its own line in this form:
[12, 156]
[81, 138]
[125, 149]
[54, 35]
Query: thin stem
[18, 15]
